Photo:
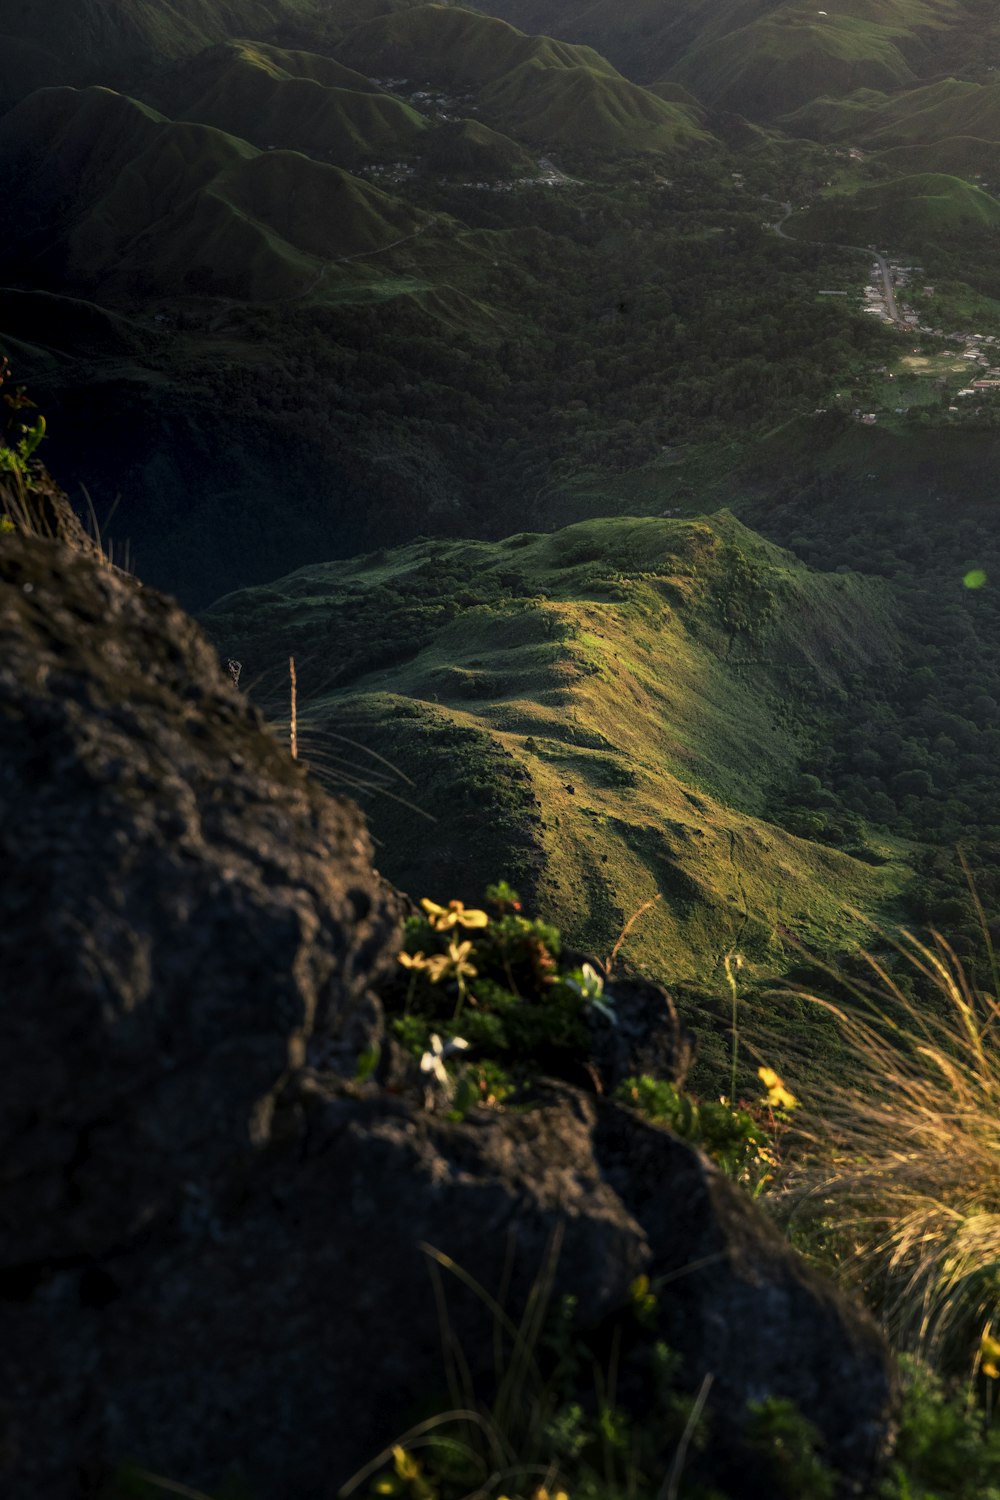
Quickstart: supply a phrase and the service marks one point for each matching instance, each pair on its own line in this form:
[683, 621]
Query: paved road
[890, 296]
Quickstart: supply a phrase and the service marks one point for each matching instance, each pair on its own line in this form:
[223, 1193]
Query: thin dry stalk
[367, 773]
[170, 1486]
[672, 1482]
[643, 909]
[293, 728]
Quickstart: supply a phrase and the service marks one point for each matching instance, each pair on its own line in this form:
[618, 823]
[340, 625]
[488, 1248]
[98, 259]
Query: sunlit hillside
[600, 716]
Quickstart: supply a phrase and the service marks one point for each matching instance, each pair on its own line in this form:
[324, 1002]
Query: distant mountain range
[197, 181]
[300, 280]
[756, 56]
[91, 41]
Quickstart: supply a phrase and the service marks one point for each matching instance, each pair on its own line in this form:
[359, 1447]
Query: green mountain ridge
[599, 715]
[730, 45]
[902, 211]
[917, 116]
[547, 90]
[158, 206]
[88, 41]
[771, 66]
[295, 101]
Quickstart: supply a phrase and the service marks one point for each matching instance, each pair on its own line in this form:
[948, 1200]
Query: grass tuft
[905, 1157]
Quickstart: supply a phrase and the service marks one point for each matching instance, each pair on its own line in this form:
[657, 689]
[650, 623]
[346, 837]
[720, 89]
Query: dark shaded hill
[299, 101]
[726, 50]
[96, 41]
[549, 91]
[903, 211]
[147, 206]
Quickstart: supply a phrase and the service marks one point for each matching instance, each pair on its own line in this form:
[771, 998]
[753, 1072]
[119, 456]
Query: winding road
[890, 296]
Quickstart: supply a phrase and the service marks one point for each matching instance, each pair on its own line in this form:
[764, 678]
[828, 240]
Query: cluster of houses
[429, 101]
[974, 344]
[876, 301]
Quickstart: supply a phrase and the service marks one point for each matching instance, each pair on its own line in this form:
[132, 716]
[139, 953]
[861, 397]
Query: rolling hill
[456, 47]
[950, 126]
[599, 715]
[955, 156]
[648, 39]
[901, 212]
[529, 86]
[290, 100]
[96, 41]
[149, 206]
[914, 117]
[776, 64]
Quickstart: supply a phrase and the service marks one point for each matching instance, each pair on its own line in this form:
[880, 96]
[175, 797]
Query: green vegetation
[945, 1449]
[385, 268]
[891, 1182]
[903, 211]
[21, 432]
[74, 41]
[494, 676]
[295, 101]
[777, 63]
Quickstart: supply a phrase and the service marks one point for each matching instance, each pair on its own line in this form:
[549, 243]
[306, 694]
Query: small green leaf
[367, 1063]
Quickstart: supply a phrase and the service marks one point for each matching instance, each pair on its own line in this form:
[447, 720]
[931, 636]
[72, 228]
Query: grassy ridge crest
[600, 714]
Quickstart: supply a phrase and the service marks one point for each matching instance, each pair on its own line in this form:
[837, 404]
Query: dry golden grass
[899, 1168]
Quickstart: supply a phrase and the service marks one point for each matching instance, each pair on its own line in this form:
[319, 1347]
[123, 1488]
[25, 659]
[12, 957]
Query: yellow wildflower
[989, 1354]
[454, 914]
[451, 965]
[778, 1097]
[413, 960]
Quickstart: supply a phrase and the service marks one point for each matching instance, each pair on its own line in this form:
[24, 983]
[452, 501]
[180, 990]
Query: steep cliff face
[211, 1232]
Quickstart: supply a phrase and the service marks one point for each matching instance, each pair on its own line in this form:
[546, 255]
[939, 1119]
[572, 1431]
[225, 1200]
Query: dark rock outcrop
[40, 508]
[182, 907]
[648, 1035]
[210, 1240]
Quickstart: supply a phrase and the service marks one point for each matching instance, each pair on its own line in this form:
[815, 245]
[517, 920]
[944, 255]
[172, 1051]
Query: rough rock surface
[210, 1250]
[648, 1035]
[182, 909]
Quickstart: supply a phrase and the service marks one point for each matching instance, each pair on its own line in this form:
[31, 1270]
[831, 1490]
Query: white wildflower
[432, 1062]
[590, 988]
